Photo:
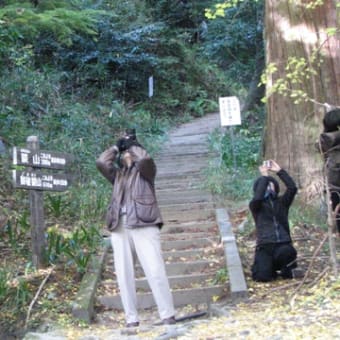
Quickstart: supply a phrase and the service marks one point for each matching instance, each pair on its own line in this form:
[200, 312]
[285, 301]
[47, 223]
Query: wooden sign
[230, 111]
[40, 181]
[41, 159]
[37, 181]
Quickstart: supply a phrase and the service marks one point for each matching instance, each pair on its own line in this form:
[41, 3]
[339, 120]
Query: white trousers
[145, 243]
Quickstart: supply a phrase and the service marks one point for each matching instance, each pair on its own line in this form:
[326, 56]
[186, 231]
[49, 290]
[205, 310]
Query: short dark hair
[131, 133]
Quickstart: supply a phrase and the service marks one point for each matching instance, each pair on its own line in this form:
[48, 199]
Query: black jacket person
[274, 249]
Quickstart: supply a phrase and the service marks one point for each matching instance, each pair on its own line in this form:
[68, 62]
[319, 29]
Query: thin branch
[319, 277]
[309, 267]
[37, 295]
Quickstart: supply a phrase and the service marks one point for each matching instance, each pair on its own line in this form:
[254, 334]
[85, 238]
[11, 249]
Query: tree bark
[293, 30]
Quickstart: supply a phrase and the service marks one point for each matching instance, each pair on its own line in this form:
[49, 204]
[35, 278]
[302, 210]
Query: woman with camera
[274, 252]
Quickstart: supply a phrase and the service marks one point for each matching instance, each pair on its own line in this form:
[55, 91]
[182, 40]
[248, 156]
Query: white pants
[145, 243]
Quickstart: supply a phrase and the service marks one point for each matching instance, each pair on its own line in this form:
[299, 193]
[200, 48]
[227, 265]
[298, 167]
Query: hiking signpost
[38, 176]
[230, 115]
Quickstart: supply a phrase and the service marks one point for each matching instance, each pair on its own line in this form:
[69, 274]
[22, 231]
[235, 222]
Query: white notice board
[230, 112]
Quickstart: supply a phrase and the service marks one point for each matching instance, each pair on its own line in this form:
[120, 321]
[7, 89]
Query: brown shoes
[169, 321]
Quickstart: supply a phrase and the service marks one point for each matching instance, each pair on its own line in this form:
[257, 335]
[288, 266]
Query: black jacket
[271, 215]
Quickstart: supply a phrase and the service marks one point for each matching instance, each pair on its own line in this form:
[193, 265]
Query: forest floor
[303, 308]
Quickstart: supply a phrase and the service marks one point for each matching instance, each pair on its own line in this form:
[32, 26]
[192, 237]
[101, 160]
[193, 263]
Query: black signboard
[40, 181]
[41, 159]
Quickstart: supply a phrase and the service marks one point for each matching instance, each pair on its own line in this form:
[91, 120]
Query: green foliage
[56, 245]
[74, 248]
[221, 276]
[311, 5]
[15, 230]
[235, 38]
[229, 183]
[23, 294]
[62, 23]
[239, 151]
[298, 72]
[4, 287]
[241, 144]
[245, 148]
[13, 293]
[220, 8]
[56, 204]
[309, 215]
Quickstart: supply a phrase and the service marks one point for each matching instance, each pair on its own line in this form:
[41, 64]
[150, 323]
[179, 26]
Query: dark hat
[270, 179]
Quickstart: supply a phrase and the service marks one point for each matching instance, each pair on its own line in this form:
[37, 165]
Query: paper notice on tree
[230, 111]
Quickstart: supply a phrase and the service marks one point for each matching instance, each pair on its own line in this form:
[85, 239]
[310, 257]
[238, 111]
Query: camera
[267, 164]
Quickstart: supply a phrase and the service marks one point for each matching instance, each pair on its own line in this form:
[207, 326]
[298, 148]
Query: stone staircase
[191, 243]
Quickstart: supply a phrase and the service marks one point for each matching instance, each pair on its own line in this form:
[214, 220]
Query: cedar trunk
[293, 129]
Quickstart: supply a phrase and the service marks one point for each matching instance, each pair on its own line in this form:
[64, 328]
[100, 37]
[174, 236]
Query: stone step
[166, 237]
[182, 268]
[180, 200]
[192, 254]
[183, 189]
[190, 243]
[173, 216]
[185, 255]
[191, 191]
[192, 182]
[190, 227]
[190, 267]
[176, 149]
[179, 141]
[175, 282]
[184, 151]
[188, 132]
[181, 297]
[194, 177]
[183, 157]
[173, 185]
[192, 171]
[206, 124]
[181, 161]
[187, 207]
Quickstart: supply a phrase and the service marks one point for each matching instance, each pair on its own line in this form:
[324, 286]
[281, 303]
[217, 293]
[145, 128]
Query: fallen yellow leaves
[315, 315]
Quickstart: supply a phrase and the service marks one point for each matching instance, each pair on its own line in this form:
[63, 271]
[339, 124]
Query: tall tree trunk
[293, 30]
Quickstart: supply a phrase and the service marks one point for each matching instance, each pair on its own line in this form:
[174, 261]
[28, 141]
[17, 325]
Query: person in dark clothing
[274, 250]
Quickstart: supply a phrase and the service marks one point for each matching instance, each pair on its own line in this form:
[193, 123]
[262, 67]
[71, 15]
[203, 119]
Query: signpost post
[36, 181]
[230, 115]
[150, 86]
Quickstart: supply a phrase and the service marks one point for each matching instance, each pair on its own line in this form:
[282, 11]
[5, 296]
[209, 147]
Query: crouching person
[134, 219]
[274, 252]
